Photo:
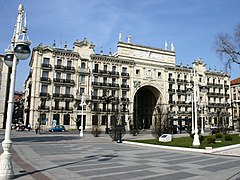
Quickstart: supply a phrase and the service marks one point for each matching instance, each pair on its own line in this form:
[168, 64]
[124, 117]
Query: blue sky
[192, 25]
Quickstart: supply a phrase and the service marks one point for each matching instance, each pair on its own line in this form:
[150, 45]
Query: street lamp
[204, 89]
[107, 99]
[83, 103]
[19, 49]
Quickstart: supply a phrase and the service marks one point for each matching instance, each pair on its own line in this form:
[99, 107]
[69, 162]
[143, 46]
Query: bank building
[126, 87]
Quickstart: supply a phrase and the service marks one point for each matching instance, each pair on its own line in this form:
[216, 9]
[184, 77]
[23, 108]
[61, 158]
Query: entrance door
[144, 105]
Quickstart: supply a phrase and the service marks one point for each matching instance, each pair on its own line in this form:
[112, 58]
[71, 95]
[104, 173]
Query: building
[5, 72]
[235, 92]
[129, 85]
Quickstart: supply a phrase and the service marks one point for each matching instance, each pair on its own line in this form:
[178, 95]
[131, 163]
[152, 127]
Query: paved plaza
[67, 156]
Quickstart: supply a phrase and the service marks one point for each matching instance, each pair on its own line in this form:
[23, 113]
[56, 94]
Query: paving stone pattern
[108, 161]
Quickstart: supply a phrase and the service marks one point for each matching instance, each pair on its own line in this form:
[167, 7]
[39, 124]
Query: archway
[145, 101]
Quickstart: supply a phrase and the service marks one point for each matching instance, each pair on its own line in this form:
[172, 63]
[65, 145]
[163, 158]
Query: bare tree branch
[228, 47]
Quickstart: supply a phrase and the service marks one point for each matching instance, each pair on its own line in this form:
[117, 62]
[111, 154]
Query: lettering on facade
[149, 55]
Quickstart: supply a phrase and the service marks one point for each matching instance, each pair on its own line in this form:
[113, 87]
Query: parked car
[57, 128]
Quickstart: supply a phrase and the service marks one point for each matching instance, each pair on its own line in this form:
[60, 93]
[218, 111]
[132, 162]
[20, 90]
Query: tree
[162, 122]
[228, 47]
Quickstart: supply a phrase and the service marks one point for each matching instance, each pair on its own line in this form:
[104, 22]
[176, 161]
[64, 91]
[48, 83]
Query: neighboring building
[139, 79]
[18, 108]
[235, 92]
[5, 72]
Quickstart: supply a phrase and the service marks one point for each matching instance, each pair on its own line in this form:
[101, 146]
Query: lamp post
[19, 49]
[107, 99]
[83, 103]
[196, 141]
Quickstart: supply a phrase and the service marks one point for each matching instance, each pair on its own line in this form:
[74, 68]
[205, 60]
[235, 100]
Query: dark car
[57, 128]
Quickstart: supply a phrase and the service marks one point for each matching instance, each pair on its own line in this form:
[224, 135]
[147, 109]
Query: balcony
[57, 108]
[96, 98]
[171, 91]
[181, 91]
[180, 81]
[124, 99]
[59, 67]
[124, 86]
[44, 108]
[171, 80]
[57, 96]
[44, 95]
[68, 109]
[70, 69]
[124, 74]
[69, 82]
[113, 85]
[104, 72]
[68, 96]
[114, 74]
[45, 80]
[46, 66]
[97, 84]
[58, 81]
[94, 71]
[83, 70]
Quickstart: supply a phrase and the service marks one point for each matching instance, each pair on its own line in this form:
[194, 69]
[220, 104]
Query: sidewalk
[25, 171]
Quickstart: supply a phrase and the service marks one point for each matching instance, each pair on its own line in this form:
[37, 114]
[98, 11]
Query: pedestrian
[29, 127]
[36, 128]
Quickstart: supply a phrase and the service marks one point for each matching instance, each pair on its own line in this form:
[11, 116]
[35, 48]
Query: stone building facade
[125, 87]
[235, 92]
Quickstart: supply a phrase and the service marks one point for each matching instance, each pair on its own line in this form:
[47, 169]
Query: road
[67, 156]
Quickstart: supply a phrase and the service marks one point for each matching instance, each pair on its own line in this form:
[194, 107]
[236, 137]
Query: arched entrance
[145, 101]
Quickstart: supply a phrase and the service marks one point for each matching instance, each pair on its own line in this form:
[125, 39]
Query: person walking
[36, 128]
[29, 127]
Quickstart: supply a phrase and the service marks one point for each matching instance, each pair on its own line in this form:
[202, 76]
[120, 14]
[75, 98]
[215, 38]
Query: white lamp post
[202, 108]
[21, 51]
[83, 103]
[196, 141]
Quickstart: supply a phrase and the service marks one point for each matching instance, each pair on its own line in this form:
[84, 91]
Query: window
[124, 94]
[114, 68]
[104, 120]
[44, 88]
[124, 81]
[67, 90]
[69, 63]
[94, 119]
[43, 103]
[59, 62]
[83, 65]
[58, 75]
[104, 92]
[68, 76]
[95, 92]
[45, 74]
[96, 67]
[43, 119]
[66, 119]
[113, 93]
[81, 91]
[67, 105]
[46, 60]
[159, 74]
[56, 104]
[82, 78]
[95, 78]
[104, 80]
[113, 80]
[179, 76]
[124, 70]
[57, 89]
[105, 67]
[137, 71]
